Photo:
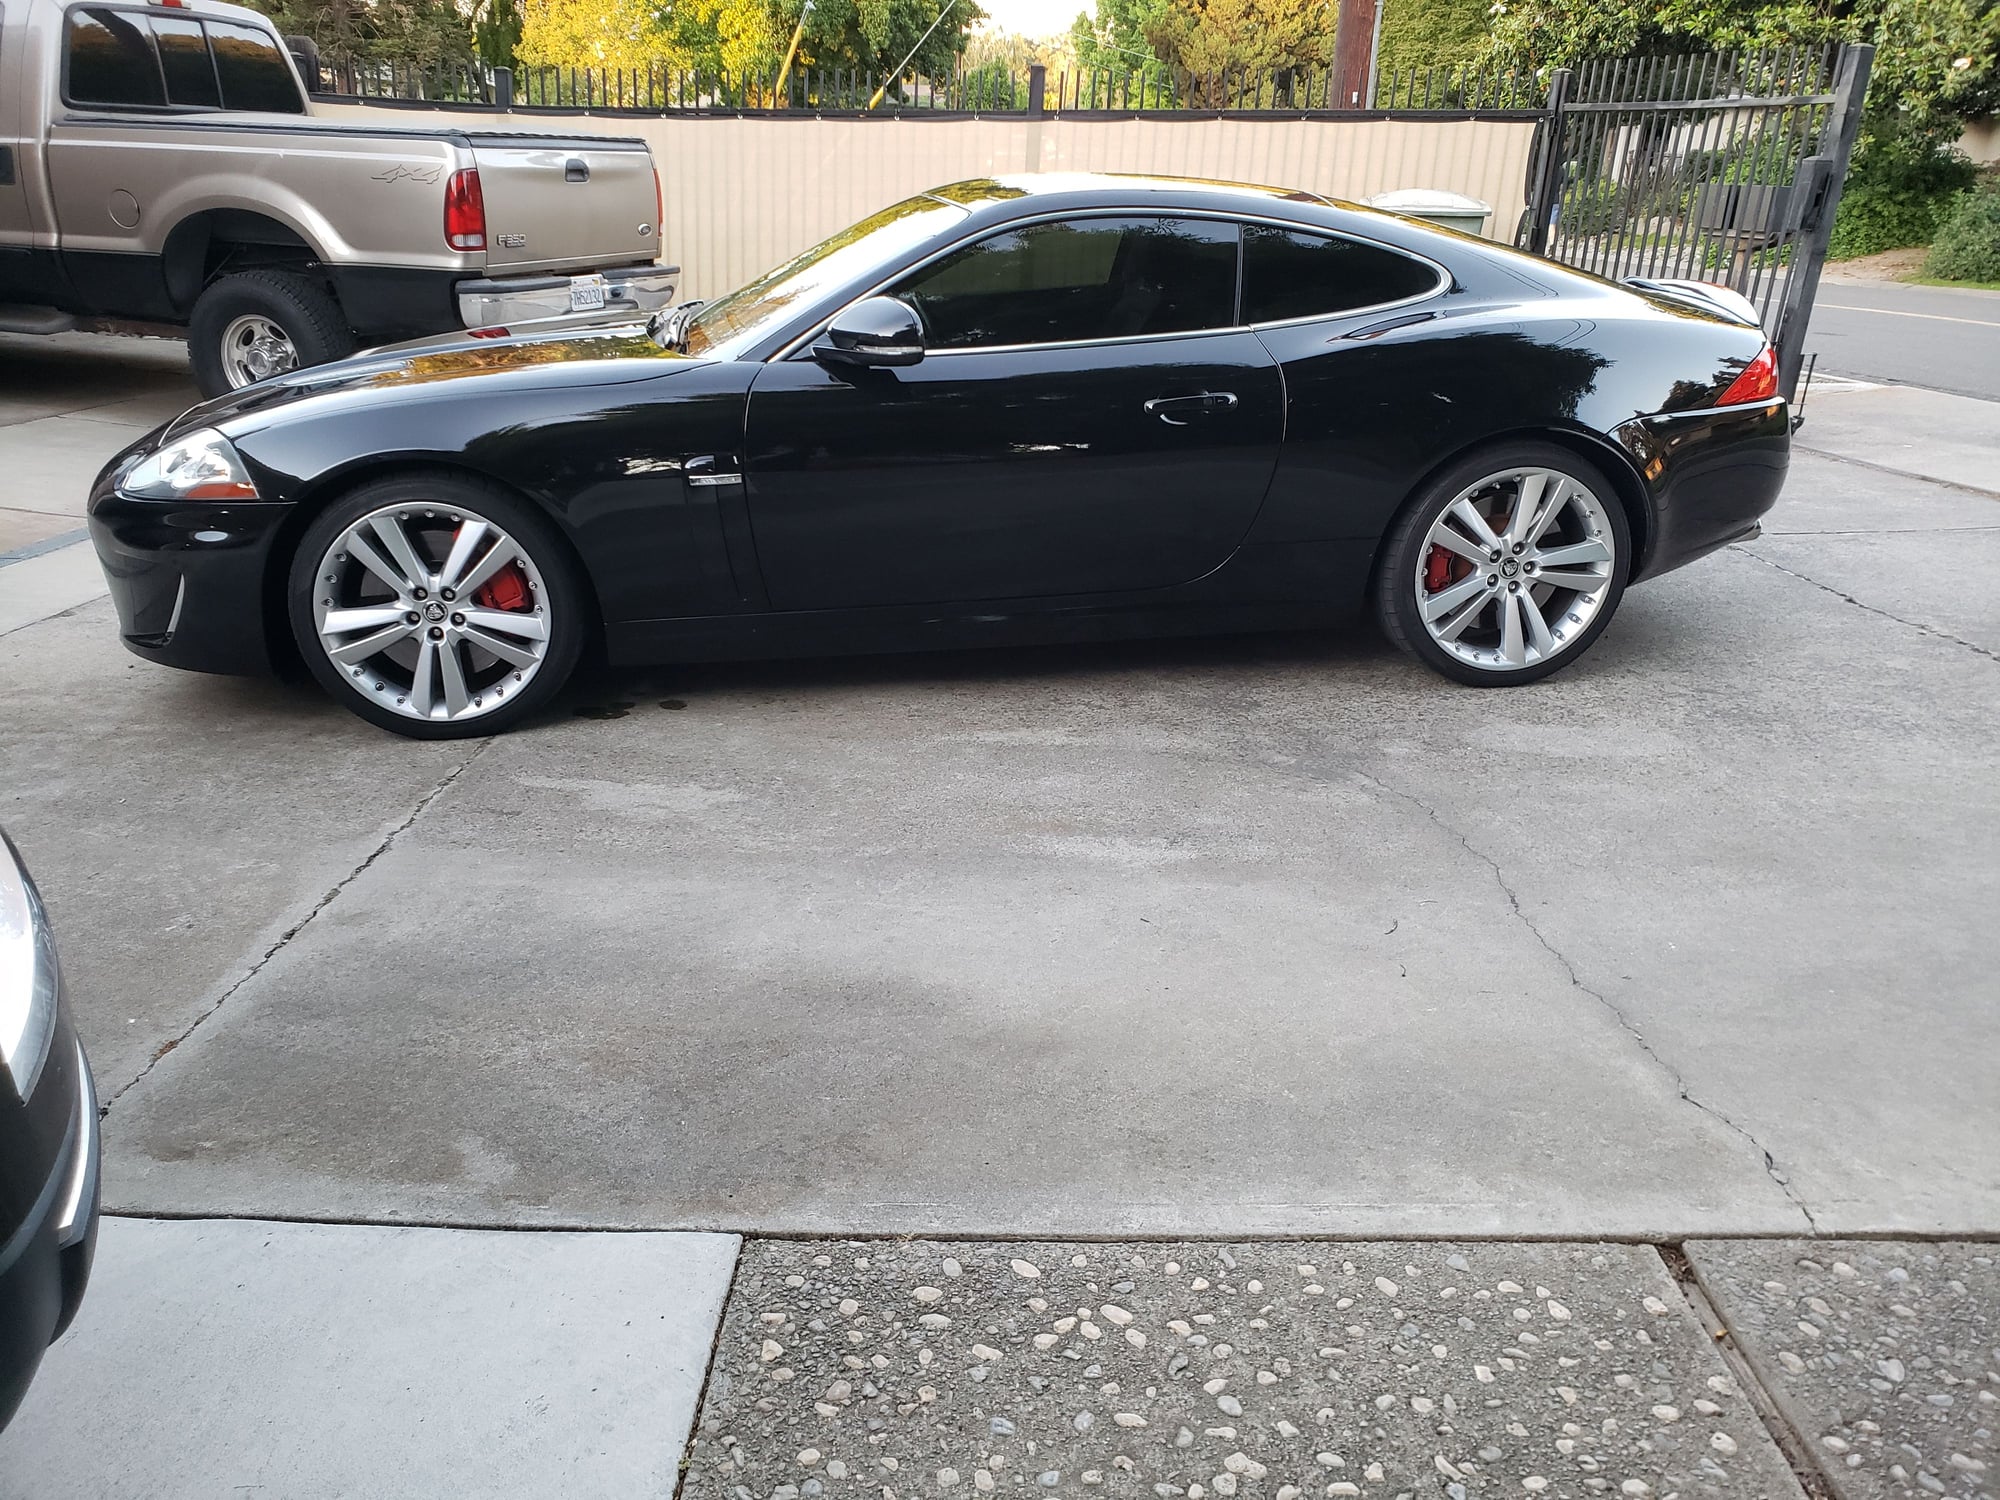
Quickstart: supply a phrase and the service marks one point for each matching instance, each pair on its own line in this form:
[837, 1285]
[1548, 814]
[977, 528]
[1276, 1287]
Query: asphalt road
[1274, 934]
[1945, 338]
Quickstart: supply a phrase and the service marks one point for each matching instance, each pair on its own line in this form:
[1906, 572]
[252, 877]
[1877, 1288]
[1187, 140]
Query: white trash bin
[1452, 210]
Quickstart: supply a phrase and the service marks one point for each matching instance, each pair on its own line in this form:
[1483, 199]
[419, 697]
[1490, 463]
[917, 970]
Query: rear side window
[1289, 274]
[111, 59]
[1073, 280]
[253, 70]
[185, 61]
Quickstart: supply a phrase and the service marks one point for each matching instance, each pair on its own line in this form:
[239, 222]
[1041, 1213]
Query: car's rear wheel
[437, 606]
[1506, 567]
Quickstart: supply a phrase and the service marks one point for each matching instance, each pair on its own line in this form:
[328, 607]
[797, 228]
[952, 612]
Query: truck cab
[161, 164]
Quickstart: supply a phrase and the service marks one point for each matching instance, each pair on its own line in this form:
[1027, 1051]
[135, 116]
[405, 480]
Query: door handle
[576, 169]
[1176, 411]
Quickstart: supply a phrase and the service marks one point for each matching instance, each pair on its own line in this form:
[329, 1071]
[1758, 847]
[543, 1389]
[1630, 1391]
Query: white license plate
[586, 294]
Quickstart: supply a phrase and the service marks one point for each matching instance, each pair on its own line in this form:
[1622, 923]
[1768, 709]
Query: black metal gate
[1722, 167]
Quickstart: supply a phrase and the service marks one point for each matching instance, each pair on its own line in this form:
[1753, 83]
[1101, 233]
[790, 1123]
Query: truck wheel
[256, 324]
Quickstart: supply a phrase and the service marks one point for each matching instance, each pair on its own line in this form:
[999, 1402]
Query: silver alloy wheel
[435, 613]
[1514, 569]
[254, 348]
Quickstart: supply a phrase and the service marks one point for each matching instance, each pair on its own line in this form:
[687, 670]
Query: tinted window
[1291, 275]
[111, 59]
[1079, 279]
[253, 70]
[184, 59]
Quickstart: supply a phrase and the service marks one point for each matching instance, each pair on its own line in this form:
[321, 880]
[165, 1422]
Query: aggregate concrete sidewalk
[310, 1360]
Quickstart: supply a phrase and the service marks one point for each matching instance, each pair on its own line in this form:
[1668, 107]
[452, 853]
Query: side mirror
[876, 332]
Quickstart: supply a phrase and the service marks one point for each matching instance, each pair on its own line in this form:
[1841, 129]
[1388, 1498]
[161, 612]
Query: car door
[1088, 418]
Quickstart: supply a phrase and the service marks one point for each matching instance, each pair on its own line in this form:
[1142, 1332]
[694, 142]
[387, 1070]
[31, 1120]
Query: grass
[1968, 286]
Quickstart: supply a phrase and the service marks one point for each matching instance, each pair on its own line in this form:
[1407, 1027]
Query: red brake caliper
[1437, 570]
[507, 589]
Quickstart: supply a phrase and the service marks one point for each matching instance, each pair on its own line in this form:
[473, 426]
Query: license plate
[586, 294]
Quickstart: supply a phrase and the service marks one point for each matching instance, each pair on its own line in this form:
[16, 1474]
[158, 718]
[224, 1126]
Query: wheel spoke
[1468, 516]
[509, 622]
[497, 557]
[1527, 505]
[1560, 578]
[452, 673]
[363, 551]
[363, 617]
[1445, 537]
[1539, 638]
[353, 653]
[423, 681]
[470, 534]
[1553, 504]
[1590, 550]
[1512, 644]
[1437, 606]
[1451, 629]
[507, 651]
[390, 531]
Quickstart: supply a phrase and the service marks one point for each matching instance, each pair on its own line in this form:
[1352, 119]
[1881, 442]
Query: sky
[1033, 18]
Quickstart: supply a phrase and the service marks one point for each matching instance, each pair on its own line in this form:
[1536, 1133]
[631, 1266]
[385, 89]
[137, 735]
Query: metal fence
[1722, 167]
[1035, 91]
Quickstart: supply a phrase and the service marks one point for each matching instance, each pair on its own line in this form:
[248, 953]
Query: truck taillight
[1758, 382]
[464, 211]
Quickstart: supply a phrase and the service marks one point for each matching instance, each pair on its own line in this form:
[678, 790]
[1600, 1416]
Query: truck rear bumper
[538, 298]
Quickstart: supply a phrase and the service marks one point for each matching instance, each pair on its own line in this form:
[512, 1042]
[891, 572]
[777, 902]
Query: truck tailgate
[566, 203]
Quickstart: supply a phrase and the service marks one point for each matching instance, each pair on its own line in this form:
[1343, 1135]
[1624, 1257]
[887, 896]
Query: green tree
[1419, 34]
[428, 33]
[496, 32]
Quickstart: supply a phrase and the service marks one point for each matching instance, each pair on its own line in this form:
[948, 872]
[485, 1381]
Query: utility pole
[1354, 35]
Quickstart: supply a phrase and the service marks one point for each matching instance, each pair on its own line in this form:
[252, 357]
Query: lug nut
[1491, 579]
[437, 632]
[1519, 548]
[1527, 567]
[418, 594]
[447, 595]
[1495, 555]
[1513, 588]
[413, 618]
[458, 619]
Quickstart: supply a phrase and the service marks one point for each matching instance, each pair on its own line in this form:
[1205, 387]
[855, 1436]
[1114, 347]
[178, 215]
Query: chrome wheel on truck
[436, 607]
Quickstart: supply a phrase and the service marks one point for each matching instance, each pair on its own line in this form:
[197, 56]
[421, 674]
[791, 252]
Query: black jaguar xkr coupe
[1035, 408]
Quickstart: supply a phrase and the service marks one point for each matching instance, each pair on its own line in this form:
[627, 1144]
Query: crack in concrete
[1624, 1022]
[1929, 630]
[388, 841]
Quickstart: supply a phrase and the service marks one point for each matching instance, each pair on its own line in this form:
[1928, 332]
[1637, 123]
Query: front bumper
[505, 301]
[45, 1263]
[187, 578]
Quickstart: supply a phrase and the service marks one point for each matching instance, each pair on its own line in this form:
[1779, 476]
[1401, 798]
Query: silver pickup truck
[160, 164]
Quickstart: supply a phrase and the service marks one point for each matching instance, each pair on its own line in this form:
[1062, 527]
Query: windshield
[751, 311]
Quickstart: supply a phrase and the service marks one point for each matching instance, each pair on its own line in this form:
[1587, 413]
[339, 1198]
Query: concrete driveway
[1266, 935]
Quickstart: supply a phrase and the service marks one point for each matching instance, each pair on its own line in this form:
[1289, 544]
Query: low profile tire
[256, 324]
[1506, 567]
[437, 606]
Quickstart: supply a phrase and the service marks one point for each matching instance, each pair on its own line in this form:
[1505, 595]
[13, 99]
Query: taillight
[659, 207]
[1758, 382]
[464, 211]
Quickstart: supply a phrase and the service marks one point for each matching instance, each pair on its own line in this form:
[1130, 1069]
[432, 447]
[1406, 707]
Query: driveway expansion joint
[387, 842]
[1863, 463]
[1929, 630]
[1673, 1073]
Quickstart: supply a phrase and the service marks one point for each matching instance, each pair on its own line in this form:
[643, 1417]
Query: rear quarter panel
[1370, 418]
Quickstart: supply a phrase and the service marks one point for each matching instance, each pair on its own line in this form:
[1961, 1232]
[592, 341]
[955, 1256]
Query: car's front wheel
[437, 606]
[1506, 567]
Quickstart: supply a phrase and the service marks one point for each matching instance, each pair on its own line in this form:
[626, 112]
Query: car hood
[606, 353]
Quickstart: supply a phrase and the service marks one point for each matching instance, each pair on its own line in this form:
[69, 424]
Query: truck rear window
[133, 60]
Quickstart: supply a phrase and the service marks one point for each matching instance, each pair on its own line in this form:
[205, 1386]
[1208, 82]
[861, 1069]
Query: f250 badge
[513, 241]
[402, 173]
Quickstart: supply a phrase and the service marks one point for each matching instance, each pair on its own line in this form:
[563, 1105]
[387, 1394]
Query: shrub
[1897, 191]
[1967, 246]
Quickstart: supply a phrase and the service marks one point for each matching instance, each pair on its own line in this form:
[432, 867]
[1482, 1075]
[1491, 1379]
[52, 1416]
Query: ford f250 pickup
[160, 164]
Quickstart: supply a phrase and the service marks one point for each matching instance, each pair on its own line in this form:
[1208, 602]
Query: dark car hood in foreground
[591, 354]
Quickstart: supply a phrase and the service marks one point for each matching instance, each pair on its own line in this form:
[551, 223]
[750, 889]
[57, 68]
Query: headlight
[198, 466]
[28, 976]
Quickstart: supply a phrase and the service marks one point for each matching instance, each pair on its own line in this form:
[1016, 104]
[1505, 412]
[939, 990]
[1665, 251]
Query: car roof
[1039, 192]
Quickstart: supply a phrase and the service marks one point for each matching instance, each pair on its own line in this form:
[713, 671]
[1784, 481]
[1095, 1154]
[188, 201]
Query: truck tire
[259, 323]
